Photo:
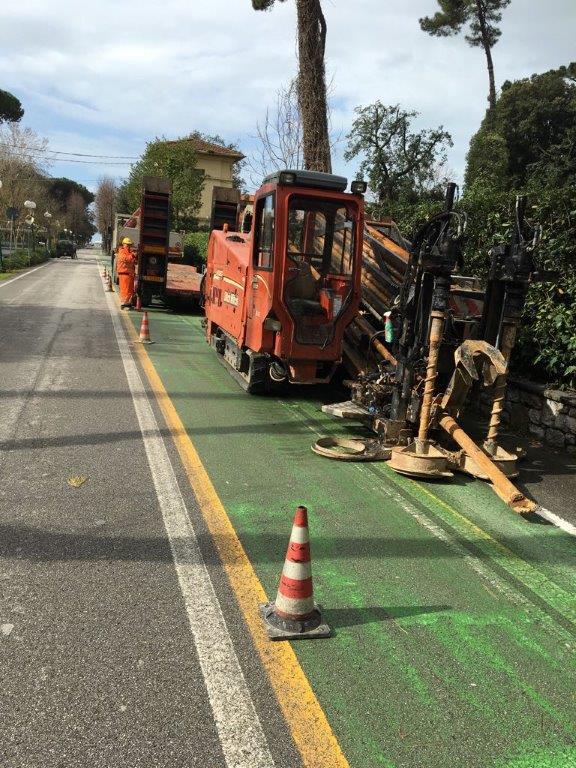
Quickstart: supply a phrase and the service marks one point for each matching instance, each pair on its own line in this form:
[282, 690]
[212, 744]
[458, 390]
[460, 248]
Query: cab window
[264, 253]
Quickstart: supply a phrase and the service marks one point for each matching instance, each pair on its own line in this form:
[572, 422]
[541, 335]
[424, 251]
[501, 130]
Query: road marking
[536, 581]
[241, 736]
[556, 520]
[308, 724]
[4, 283]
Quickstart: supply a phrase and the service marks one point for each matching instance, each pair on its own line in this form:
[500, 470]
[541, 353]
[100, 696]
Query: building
[216, 163]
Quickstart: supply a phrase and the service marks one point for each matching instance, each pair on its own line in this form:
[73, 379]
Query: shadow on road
[338, 618]
[39, 545]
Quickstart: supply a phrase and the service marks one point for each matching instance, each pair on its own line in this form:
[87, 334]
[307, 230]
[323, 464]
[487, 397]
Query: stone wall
[547, 414]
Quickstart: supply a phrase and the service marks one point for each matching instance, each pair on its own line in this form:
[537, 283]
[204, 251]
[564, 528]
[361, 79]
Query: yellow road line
[309, 727]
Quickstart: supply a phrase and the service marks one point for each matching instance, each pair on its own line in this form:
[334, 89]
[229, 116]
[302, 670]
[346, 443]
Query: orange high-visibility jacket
[125, 261]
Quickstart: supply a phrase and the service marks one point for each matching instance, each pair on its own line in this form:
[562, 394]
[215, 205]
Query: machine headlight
[358, 187]
[287, 177]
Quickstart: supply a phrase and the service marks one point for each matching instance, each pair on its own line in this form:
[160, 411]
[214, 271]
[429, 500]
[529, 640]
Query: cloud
[125, 73]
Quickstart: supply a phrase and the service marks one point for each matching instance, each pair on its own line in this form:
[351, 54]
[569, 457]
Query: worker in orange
[125, 269]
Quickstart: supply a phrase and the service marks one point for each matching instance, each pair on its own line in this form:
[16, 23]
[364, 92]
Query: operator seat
[302, 292]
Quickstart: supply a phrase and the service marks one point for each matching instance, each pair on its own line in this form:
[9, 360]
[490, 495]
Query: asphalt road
[110, 656]
[127, 615]
[453, 618]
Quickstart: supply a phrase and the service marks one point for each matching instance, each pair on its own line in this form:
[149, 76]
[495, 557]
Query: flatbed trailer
[183, 284]
[164, 275]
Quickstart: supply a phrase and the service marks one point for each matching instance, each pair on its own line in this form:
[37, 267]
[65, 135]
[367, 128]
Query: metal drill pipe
[436, 333]
[506, 346]
[502, 486]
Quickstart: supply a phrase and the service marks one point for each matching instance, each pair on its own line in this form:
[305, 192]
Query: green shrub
[21, 260]
[196, 248]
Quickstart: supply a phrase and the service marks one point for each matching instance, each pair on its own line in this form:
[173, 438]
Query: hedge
[20, 260]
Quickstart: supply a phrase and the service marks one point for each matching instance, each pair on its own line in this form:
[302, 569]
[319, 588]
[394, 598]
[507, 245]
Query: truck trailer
[161, 270]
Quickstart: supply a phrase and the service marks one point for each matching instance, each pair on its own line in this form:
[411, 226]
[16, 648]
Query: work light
[358, 187]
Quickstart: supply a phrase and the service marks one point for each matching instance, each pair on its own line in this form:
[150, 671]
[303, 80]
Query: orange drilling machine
[278, 299]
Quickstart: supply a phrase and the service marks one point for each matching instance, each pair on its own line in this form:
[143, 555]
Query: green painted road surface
[454, 620]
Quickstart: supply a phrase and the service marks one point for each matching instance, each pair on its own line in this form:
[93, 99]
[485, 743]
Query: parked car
[65, 248]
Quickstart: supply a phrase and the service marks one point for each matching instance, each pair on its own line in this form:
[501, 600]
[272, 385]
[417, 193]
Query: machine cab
[307, 241]
[279, 299]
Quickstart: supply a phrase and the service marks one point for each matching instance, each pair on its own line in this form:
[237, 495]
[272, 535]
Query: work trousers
[126, 280]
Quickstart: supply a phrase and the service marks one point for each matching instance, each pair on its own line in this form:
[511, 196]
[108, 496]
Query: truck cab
[279, 298]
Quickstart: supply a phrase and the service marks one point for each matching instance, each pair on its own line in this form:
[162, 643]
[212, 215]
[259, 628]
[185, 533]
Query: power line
[83, 154]
[85, 162]
[44, 152]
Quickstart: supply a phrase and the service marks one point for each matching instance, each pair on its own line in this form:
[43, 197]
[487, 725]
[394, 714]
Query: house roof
[208, 148]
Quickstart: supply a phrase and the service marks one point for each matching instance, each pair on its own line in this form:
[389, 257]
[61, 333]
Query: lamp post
[48, 217]
[30, 206]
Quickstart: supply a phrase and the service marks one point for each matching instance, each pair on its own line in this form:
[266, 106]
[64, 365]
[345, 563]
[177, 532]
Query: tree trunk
[488, 52]
[312, 98]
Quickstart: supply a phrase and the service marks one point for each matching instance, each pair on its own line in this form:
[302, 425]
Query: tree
[173, 160]
[535, 118]
[280, 143]
[23, 165]
[62, 188]
[487, 161]
[79, 218]
[105, 208]
[482, 18]
[312, 98]
[398, 162]
[10, 108]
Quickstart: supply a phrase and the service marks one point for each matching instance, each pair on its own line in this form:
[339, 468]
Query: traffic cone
[294, 614]
[138, 303]
[109, 288]
[145, 330]
[105, 273]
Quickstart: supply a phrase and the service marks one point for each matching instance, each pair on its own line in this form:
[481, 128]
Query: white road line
[559, 522]
[542, 512]
[484, 570]
[241, 736]
[4, 283]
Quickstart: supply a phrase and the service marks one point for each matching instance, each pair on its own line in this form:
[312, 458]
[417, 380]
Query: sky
[105, 78]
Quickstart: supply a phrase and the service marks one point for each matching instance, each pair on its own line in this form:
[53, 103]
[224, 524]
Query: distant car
[65, 248]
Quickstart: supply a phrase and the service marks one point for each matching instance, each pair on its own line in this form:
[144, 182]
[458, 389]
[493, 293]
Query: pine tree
[482, 18]
[312, 98]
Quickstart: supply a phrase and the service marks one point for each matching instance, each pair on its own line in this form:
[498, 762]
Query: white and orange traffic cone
[138, 302]
[109, 288]
[145, 330]
[294, 614]
[104, 273]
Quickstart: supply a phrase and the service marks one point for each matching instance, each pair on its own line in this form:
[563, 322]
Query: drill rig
[442, 338]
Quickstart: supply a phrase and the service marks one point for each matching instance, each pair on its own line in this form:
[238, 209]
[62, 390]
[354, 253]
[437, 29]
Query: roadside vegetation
[20, 260]
[61, 206]
[525, 145]
[196, 248]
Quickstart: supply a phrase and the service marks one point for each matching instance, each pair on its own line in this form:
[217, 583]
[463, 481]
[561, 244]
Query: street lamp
[30, 205]
[48, 217]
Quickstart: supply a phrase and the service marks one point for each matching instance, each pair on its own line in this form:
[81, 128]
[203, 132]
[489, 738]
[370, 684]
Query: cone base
[144, 341]
[287, 629]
